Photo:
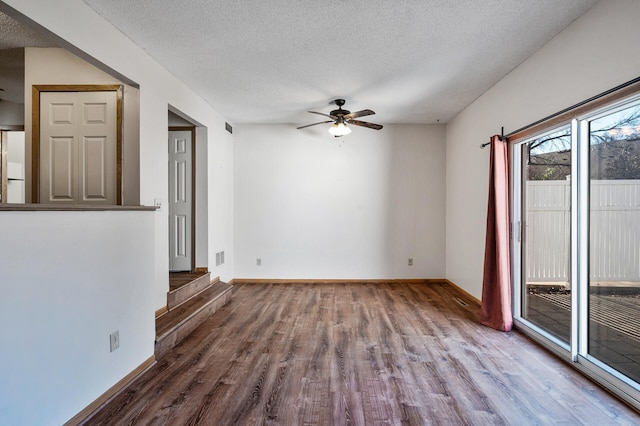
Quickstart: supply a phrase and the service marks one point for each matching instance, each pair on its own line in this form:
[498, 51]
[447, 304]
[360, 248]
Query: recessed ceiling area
[412, 61]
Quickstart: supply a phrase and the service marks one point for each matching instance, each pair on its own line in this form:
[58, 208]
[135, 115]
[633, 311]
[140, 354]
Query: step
[187, 289]
[179, 322]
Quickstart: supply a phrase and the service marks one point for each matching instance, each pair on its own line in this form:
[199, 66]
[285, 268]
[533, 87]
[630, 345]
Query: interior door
[78, 147]
[180, 200]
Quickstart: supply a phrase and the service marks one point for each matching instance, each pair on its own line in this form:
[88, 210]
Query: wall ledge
[70, 207]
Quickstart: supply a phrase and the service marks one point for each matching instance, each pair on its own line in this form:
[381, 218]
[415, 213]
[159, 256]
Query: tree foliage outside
[614, 150]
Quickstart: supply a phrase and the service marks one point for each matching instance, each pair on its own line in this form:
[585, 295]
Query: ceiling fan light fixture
[341, 119]
[339, 128]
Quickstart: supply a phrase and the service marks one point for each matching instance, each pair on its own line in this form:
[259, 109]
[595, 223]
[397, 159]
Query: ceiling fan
[341, 118]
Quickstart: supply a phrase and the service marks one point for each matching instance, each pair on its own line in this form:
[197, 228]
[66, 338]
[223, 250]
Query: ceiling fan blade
[324, 115]
[358, 114]
[309, 125]
[365, 124]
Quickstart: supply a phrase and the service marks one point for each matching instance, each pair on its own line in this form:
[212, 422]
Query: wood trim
[193, 199]
[12, 127]
[201, 269]
[4, 181]
[568, 114]
[35, 145]
[119, 143]
[102, 399]
[35, 131]
[162, 311]
[337, 281]
[463, 291]
[77, 87]
[215, 280]
[181, 128]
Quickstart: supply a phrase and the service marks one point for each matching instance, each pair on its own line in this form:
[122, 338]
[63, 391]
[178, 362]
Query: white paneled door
[180, 200]
[78, 147]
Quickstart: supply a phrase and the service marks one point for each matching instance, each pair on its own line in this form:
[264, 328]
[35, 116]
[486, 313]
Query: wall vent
[228, 127]
[460, 301]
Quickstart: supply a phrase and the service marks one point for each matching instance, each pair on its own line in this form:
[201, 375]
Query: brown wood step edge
[174, 328]
[183, 293]
[178, 279]
[182, 312]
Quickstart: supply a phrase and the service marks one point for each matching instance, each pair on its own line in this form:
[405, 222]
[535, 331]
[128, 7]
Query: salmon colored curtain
[496, 311]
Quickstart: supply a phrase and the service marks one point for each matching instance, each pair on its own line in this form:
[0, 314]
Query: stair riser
[179, 296]
[171, 339]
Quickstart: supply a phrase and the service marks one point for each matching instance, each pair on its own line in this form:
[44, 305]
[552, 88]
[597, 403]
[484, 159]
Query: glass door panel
[614, 241]
[546, 221]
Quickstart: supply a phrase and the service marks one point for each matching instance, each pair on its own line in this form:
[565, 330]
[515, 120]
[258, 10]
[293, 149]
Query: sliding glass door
[545, 233]
[576, 243]
[614, 239]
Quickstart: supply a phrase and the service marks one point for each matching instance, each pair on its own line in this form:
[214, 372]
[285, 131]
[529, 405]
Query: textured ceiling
[14, 37]
[15, 34]
[412, 61]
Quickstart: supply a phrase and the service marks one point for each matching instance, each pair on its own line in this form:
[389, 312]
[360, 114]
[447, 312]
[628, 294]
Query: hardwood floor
[358, 353]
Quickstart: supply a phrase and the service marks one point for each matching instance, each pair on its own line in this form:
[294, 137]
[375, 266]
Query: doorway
[77, 144]
[12, 166]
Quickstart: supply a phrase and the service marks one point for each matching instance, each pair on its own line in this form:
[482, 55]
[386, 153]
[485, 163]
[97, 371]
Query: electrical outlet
[114, 340]
[410, 262]
[258, 262]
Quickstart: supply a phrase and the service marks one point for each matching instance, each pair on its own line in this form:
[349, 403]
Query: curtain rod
[569, 109]
[489, 143]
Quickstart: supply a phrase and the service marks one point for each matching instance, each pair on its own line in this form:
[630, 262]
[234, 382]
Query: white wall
[220, 181]
[177, 121]
[11, 114]
[312, 206]
[79, 277]
[595, 53]
[93, 39]
[78, 24]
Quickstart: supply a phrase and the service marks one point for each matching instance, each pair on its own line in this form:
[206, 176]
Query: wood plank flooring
[362, 354]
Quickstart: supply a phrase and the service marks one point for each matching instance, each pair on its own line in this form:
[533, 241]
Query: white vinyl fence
[614, 230]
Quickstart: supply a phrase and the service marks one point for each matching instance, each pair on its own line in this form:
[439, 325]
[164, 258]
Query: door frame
[192, 130]
[35, 132]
